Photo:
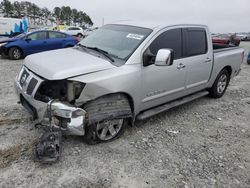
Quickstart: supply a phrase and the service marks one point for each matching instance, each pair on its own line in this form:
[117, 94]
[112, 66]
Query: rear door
[56, 40]
[199, 59]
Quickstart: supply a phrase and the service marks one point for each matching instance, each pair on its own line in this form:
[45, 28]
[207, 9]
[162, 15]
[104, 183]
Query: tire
[79, 35]
[107, 118]
[94, 132]
[220, 85]
[15, 53]
[248, 61]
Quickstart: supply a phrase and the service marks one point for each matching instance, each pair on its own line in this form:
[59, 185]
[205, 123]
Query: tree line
[41, 16]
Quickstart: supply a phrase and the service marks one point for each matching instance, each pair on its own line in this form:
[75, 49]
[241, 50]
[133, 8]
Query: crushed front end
[52, 100]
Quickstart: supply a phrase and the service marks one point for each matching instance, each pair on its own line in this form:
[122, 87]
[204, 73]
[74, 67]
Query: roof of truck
[153, 25]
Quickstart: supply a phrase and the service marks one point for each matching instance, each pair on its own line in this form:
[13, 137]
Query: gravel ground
[205, 143]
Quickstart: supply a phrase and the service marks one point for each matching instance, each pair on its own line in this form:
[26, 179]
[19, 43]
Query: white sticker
[135, 36]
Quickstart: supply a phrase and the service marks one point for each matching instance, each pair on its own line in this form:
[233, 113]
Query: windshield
[117, 40]
[20, 36]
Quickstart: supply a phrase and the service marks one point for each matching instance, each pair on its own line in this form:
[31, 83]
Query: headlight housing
[62, 90]
[2, 44]
[74, 90]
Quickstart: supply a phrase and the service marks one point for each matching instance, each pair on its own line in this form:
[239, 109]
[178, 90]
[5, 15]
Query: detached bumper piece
[71, 119]
[48, 150]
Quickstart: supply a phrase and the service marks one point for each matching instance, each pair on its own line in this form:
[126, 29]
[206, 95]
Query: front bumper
[26, 86]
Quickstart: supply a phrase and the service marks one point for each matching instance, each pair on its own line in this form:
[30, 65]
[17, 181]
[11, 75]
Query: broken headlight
[74, 90]
[62, 90]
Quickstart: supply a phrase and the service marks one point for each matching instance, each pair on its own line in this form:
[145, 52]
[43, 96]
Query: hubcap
[222, 83]
[16, 54]
[107, 130]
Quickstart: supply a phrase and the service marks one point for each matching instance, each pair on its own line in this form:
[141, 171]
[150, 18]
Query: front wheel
[79, 35]
[105, 131]
[220, 85]
[15, 53]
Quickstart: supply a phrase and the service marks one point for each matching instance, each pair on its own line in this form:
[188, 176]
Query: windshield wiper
[103, 52]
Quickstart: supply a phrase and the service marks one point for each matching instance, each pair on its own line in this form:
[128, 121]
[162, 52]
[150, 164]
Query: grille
[31, 86]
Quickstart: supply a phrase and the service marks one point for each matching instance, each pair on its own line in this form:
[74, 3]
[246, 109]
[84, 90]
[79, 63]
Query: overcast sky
[219, 15]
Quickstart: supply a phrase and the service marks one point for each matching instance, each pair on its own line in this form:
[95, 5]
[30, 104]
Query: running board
[167, 106]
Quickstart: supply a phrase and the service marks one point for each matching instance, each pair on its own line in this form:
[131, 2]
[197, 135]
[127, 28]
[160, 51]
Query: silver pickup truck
[123, 72]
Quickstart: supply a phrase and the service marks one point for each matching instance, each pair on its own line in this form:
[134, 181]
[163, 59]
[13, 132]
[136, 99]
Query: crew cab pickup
[123, 72]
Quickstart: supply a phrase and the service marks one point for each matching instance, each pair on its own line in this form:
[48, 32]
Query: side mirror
[27, 39]
[164, 57]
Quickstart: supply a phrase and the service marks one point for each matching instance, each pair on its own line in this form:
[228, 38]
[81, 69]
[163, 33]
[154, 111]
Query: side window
[171, 39]
[195, 42]
[56, 35]
[38, 36]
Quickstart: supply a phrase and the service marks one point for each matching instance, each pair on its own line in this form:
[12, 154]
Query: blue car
[35, 42]
[248, 58]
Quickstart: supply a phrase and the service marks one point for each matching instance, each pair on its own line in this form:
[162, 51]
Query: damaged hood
[65, 63]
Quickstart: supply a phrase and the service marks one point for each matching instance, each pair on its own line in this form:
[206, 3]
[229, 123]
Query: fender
[108, 107]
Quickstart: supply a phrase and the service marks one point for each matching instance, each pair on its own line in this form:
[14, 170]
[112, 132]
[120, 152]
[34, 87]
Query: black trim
[29, 107]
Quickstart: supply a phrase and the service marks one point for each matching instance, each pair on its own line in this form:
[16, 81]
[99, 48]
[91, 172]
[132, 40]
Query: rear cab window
[195, 41]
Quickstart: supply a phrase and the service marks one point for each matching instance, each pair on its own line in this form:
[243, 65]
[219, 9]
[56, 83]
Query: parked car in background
[34, 42]
[243, 36]
[74, 31]
[226, 39]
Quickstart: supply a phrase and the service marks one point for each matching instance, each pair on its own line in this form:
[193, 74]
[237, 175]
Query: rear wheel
[220, 85]
[15, 53]
[79, 35]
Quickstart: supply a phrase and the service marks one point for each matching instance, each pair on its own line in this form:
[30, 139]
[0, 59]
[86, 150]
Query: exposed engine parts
[48, 150]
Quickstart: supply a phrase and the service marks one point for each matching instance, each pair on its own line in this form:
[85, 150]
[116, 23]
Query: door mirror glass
[164, 57]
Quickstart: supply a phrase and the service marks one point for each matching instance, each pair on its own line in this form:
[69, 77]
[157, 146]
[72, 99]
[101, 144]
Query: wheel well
[15, 47]
[130, 99]
[116, 104]
[229, 69]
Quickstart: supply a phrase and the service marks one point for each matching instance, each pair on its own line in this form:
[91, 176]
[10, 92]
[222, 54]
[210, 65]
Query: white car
[75, 31]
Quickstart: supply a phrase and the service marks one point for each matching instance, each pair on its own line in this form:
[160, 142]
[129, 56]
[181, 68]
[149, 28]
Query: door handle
[181, 66]
[208, 60]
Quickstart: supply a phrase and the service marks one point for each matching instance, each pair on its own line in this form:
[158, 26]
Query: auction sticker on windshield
[135, 36]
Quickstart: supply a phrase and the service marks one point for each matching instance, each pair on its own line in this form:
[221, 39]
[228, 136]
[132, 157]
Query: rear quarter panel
[226, 57]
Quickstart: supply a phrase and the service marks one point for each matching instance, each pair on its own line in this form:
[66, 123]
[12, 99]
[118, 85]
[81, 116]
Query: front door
[164, 83]
[36, 42]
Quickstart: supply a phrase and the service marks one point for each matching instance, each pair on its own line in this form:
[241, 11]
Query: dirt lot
[205, 143]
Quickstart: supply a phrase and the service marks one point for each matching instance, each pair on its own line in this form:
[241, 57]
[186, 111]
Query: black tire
[15, 53]
[79, 35]
[107, 118]
[248, 61]
[220, 85]
[92, 135]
